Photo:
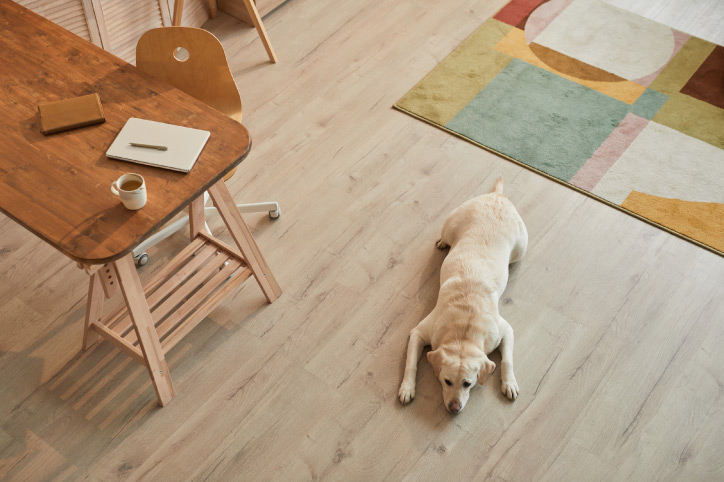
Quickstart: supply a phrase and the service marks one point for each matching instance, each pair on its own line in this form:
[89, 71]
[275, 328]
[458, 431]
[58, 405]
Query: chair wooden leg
[93, 309]
[244, 240]
[256, 20]
[148, 341]
[212, 8]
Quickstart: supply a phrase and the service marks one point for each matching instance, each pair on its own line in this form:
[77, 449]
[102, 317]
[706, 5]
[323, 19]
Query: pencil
[149, 146]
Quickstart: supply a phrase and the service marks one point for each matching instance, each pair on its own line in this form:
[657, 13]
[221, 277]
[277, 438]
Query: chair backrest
[204, 74]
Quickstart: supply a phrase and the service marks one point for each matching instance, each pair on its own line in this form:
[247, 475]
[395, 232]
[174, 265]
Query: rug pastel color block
[615, 105]
[649, 103]
[563, 122]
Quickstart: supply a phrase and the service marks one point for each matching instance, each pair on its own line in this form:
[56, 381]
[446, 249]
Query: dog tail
[499, 185]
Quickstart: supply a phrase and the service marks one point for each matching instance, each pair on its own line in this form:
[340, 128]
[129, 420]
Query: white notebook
[184, 144]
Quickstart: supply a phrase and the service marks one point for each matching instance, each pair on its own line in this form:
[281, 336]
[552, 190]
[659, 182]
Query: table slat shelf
[180, 295]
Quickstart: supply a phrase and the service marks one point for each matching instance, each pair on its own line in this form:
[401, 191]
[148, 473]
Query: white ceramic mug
[131, 189]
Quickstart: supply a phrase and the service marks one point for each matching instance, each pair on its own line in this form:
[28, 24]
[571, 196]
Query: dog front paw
[440, 244]
[509, 388]
[407, 392]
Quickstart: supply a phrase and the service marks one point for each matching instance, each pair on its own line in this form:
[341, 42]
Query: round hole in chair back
[181, 54]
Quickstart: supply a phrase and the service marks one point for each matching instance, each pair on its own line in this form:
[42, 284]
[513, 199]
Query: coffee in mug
[131, 189]
[131, 185]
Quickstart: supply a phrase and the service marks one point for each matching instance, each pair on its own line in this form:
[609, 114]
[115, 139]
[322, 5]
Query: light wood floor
[619, 325]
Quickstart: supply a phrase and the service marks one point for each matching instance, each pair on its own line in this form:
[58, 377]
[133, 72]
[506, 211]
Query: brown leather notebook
[70, 113]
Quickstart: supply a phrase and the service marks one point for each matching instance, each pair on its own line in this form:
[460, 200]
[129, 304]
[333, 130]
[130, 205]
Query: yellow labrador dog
[485, 235]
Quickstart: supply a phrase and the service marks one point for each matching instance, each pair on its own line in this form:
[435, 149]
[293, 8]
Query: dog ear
[486, 368]
[435, 359]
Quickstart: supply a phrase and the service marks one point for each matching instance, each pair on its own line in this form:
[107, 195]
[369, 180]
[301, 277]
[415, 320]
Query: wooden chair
[192, 60]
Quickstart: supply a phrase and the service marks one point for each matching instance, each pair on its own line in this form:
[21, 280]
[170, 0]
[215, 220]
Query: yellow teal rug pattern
[613, 104]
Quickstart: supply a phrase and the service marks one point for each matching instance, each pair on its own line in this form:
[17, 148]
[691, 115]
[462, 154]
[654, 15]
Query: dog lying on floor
[485, 235]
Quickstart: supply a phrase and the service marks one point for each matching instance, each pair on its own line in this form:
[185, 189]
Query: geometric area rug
[614, 105]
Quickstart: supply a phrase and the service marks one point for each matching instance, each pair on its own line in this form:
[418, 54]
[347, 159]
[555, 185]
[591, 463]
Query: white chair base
[140, 255]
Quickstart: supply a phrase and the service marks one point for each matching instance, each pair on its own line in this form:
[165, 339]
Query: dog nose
[454, 406]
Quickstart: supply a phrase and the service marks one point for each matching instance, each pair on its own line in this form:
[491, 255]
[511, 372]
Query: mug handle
[114, 189]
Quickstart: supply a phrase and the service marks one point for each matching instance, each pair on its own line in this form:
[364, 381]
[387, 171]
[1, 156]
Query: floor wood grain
[618, 324]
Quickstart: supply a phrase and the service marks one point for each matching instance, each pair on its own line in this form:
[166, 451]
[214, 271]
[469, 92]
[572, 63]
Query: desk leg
[108, 279]
[256, 20]
[93, 309]
[178, 9]
[148, 341]
[244, 240]
[196, 216]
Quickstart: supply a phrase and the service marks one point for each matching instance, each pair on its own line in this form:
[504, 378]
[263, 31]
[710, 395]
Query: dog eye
[448, 383]
[466, 384]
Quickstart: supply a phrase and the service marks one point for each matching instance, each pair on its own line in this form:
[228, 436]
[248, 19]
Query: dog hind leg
[448, 230]
[521, 244]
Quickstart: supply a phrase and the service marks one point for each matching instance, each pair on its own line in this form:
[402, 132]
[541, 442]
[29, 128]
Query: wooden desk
[58, 188]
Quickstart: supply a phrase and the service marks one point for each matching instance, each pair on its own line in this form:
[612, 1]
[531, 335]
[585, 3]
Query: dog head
[458, 370]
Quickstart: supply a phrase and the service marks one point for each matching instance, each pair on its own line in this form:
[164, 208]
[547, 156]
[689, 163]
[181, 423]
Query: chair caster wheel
[275, 214]
[141, 259]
